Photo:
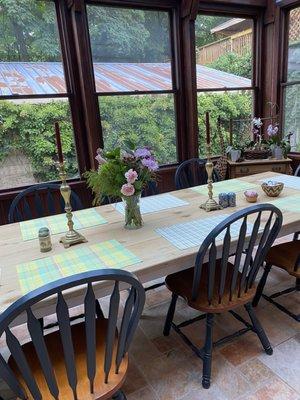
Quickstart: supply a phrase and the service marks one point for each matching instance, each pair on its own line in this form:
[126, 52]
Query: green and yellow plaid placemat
[58, 223]
[232, 185]
[114, 255]
[77, 260]
[289, 203]
[37, 273]
[109, 254]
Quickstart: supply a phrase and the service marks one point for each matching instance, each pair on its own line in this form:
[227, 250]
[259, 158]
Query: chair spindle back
[131, 314]
[39, 201]
[192, 173]
[247, 251]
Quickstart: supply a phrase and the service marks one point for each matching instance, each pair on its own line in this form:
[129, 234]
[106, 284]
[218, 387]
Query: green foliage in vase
[121, 173]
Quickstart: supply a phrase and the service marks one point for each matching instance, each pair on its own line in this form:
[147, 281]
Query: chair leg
[208, 351]
[119, 395]
[261, 285]
[170, 315]
[259, 330]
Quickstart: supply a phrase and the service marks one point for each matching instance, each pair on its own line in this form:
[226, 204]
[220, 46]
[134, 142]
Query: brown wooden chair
[219, 285]
[85, 361]
[287, 257]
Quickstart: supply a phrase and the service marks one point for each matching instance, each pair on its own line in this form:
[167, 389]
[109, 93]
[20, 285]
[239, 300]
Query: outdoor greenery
[28, 31]
[237, 64]
[29, 129]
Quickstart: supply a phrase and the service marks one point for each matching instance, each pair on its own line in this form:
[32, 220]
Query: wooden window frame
[286, 6]
[74, 101]
[169, 9]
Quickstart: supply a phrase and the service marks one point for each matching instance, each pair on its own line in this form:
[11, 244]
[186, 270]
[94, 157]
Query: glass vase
[133, 217]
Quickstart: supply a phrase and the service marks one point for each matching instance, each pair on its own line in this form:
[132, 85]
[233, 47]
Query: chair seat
[181, 284]
[54, 346]
[286, 256]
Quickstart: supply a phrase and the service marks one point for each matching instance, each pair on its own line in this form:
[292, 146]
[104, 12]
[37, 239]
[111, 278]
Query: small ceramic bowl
[251, 196]
[272, 188]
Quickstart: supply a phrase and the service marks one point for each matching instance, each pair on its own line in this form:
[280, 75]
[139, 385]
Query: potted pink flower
[124, 174]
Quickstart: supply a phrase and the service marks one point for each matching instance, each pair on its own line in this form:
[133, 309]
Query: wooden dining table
[158, 256]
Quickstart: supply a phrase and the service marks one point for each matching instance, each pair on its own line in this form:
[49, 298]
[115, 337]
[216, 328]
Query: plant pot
[235, 155]
[278, 153]
[133, 217]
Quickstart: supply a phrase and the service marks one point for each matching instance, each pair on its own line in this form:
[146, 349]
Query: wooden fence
[238, 43]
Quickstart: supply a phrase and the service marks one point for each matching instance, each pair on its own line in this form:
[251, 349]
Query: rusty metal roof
[40, 78]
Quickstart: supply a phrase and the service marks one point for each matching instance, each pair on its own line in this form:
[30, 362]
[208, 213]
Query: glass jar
[133, 217]
[45, 240]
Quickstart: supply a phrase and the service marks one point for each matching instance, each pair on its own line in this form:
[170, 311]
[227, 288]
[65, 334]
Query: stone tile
[213, 393]
[285, 362]
[5, 392]
[278, 326]
[242, 349]
[228, 378]
[134, 380]
[273, 390]
[157, 296]
[145, 393]
[142, 349]
[256, 372]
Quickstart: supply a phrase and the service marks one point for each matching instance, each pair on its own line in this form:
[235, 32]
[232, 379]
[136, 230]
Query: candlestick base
[71, 238]
[210, 205]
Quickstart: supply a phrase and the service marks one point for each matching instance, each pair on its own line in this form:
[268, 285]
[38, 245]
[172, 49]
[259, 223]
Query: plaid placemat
[58, 223]
[37, 273]
[88, 218]
[290, 181]
[114, 255]
[30, 229]
[77, 260]
[193, 233]
[109, 254]
[232, 185]
[156, 203]
[289, 203]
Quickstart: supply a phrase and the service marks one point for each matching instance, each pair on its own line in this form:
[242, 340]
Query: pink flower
[127, 189]
[131, 176]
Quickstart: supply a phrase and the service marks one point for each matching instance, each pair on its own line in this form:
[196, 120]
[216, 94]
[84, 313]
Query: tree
[234, 63]
[28, 31]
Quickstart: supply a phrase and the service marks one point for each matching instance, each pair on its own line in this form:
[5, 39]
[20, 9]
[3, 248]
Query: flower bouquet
[123, 174]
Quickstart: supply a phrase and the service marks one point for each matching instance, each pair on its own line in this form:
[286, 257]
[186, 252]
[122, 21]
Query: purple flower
[142, 153]
[150, 163]
[272, 130]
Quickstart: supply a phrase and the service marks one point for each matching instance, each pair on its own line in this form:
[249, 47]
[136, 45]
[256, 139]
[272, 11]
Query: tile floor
[166, 369]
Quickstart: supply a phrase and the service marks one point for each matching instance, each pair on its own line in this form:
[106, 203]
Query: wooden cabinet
[250, 167]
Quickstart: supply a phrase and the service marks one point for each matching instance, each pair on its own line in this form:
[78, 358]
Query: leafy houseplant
[123, 174]
[279, 146]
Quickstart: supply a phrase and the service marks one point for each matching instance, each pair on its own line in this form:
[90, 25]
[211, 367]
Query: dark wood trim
[86, 79]
[35, 96]
[135, 93]
[291, 83]
[147, 4]
[227, 89]
[246, 3]
[287, 3]
[72, 78]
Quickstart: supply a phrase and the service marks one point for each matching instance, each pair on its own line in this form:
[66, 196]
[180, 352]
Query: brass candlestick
[210, 204]
[72, 237]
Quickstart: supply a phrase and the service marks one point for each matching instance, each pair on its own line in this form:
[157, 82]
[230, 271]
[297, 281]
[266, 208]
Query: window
[224, 57]
[33, 95]
[133, 72]
[291, 84]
